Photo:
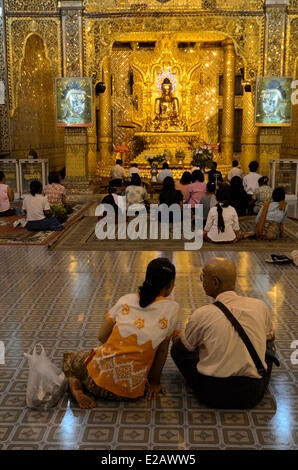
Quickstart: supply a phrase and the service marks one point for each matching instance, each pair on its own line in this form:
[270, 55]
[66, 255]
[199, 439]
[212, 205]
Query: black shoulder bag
[270, 350]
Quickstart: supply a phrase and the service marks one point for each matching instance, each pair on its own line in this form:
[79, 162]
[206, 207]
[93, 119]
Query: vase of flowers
[202, 156]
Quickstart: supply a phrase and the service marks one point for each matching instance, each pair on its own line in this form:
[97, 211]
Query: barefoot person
[135, 338]
[210, 353]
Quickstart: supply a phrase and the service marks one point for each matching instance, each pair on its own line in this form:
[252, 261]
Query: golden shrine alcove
[194, 65]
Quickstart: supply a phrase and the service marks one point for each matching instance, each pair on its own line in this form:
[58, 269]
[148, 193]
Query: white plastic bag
[46, 383]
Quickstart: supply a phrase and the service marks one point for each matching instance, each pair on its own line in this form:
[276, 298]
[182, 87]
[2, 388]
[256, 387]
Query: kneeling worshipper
[222, 222]
[212, 352]
[135, 193]
[38, 211]
[6, 197]
[271, 219]
[56, 194]
[135, 338]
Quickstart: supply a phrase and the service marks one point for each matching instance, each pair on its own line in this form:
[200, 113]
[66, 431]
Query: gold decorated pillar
[270, 138]
[227, 138]
[105, 113]
[249, 131]
[76, 138]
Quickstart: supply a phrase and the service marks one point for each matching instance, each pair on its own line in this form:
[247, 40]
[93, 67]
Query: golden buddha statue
[166, 108]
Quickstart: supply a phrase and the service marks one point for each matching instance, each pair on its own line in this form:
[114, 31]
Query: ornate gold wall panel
[34, 121]
[102, 6]
[72, 43]
[4, 108]
[275, 41]
[17, 31]
[292, 45]
[121, 99]
[30, 5]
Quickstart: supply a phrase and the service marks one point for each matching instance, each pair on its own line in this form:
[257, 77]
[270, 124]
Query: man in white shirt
[210, 353]
[118, 174]
[134, 169]
[235, 171]
[251, 183]
[164, 173]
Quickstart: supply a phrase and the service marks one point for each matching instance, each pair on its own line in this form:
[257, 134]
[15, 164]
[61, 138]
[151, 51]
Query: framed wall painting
[74, 102]
[273, 105]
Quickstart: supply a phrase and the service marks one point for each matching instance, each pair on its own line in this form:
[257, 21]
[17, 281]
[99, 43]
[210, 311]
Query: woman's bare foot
[76, 390]
[248, 235]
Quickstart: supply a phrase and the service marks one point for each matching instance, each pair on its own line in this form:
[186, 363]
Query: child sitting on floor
[135, 338]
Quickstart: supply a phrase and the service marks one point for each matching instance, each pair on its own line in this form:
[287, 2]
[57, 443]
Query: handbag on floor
[270, 346]
[46, 383]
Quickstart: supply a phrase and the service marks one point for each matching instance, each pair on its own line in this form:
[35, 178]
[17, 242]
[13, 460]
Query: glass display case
[284, 173]
[31, 169]
[11, 170]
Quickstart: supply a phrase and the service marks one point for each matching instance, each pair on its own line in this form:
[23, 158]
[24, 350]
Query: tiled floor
[59, 299]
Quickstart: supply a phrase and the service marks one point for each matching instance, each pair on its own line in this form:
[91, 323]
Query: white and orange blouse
[122, 363]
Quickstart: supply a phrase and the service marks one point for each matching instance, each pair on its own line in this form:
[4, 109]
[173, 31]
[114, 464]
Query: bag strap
[253, 353]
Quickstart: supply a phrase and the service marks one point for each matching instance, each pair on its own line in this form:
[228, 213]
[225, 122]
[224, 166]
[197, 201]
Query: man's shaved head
[219, 275]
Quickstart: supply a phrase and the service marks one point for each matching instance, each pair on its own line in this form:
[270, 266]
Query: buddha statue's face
[77, 100]
[166, 88]
[270, 101]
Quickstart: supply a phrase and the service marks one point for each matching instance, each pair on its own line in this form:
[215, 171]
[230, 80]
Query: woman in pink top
[196, 190]
[6, 197]
[183, 184]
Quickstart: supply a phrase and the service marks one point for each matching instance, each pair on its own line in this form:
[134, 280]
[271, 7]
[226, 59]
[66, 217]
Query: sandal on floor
[279, 259]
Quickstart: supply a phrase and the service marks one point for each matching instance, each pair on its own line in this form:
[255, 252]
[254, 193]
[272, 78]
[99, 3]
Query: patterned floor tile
[268, 437]
[98, 434]
[234, 418]
[135, 417]
[37, 417]
[139, 435]
[22, 447]
[104, 417]
[169, 435]
[33, 433]
[170, 418]
[238, 436]
[203, 436]
[204, 418]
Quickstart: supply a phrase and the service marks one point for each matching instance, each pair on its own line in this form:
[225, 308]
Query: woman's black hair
[210, 187]
[35, 187]
[278, 194]
[135, 180]
[197, 175]
[223, 197]
[168, 183]
[2, 175]
[185, 178]
[160, 273]
[263, 180]
[54, 178]
[236, 184]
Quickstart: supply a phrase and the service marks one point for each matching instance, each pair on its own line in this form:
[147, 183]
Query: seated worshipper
[164, 173]
[135, 193]
[196, 190]
[239, 198]
[6, 197]
[210, 353]
[169, 195]
[182, 185]
[135, 338]
[222, 223]
[270, 220]
[38, 211]
[236, 171]
[56, 194]
[134, 169]
[251, 182]
[214, 175]
[117, 174]
[206, 201]
[114, 200]
[261, 195]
